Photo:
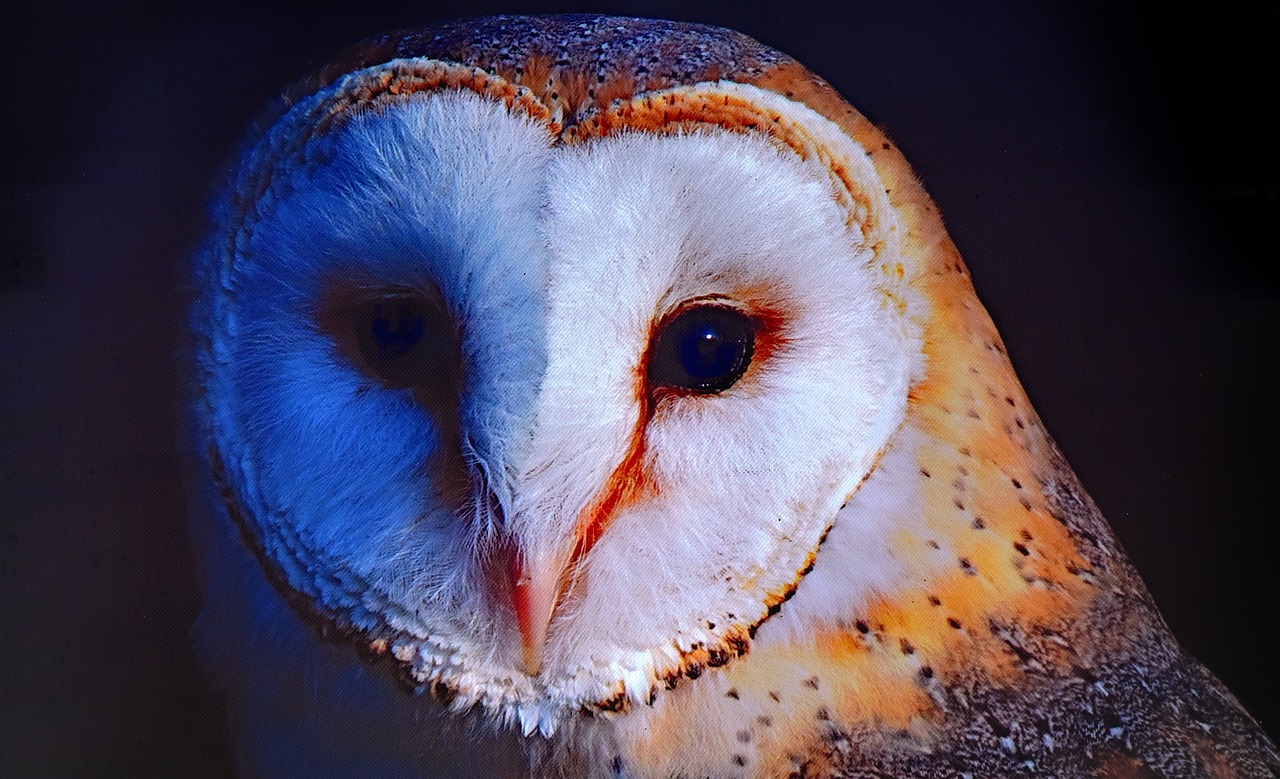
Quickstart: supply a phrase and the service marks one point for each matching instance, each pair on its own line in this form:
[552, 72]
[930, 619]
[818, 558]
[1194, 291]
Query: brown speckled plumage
[577, 63]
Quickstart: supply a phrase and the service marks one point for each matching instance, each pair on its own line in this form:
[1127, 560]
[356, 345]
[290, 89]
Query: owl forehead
[582, 78]
[577, 64]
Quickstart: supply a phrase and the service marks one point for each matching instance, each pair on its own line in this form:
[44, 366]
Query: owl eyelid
[702, 301]
[372, 295]
[340, 300]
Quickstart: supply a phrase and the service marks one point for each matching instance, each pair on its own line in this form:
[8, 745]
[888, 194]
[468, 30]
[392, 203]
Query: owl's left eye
[703, 349]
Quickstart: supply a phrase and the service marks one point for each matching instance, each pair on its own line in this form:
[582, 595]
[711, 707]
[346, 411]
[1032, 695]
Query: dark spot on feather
[618, 702]
[1084, 674]
[1111, 720]
[997, 727]
[443, 693]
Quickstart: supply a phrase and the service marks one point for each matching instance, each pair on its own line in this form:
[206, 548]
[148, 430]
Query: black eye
[703, 349]
[403, 339]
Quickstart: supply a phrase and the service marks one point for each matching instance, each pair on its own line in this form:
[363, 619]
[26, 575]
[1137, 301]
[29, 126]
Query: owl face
[554, 417]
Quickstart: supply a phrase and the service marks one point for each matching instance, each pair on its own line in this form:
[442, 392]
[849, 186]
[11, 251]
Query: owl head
[541, 355]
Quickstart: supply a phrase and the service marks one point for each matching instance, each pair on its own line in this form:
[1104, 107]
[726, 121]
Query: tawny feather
[944, 600]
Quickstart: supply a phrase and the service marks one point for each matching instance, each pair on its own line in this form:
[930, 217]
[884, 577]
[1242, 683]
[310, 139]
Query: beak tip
[532, 660]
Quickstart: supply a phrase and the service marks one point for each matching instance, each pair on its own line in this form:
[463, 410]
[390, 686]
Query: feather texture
[866, 557]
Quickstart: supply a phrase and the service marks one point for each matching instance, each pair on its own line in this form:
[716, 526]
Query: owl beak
[535, 589]
[538, 577]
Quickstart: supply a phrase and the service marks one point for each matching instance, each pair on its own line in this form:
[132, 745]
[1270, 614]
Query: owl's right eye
[703, 349]
[401, 337]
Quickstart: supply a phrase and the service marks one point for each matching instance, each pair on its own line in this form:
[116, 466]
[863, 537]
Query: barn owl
[616, 384]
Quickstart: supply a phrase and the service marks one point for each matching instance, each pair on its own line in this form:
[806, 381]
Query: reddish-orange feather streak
[629, 483]
[630, 480]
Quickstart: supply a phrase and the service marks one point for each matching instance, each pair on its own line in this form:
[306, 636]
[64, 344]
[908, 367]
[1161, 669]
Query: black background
[1108, 171]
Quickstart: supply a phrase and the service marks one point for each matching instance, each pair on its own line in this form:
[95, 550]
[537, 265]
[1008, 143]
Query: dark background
[1108, 170]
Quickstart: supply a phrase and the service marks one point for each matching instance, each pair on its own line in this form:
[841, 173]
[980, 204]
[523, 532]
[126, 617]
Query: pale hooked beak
[535, 591]
[539, 578]
[539, 575]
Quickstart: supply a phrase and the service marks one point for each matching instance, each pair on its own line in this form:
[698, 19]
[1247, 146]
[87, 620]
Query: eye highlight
[704, 349]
